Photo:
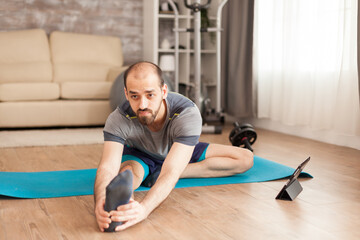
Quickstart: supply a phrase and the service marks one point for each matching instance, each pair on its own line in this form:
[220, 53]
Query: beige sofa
[63, 80]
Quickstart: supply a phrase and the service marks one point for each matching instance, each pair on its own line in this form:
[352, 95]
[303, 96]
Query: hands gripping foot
[118, 192]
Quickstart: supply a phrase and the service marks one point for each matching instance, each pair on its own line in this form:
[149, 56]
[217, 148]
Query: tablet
[297, 172]
[296, 188]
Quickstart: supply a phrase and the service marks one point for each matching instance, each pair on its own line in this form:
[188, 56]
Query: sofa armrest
[115, 72]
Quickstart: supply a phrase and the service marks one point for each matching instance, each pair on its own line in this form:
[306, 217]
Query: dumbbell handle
[247, 144]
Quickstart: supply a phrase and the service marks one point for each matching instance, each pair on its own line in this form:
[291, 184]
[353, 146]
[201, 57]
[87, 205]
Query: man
[156, 132]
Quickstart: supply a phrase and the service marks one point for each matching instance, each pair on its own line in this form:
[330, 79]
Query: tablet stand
[290, 191]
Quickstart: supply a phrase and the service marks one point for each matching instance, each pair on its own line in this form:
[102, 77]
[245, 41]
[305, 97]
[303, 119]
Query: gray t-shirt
[183, 124]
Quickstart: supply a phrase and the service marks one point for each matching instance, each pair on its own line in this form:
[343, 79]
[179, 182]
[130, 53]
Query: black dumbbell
[243, 135]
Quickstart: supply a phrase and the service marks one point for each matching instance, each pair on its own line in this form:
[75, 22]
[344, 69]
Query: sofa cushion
[80, 72]
[85, 90]
[81, 57]
[25, 56]
[29, 91]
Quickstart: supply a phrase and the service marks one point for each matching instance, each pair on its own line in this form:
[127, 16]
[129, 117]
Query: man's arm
[108, 168]
[174, 164]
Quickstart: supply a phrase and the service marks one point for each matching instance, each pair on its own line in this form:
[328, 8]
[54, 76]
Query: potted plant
[206, 23]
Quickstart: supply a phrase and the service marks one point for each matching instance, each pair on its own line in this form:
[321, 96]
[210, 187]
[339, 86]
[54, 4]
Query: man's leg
[220, 161]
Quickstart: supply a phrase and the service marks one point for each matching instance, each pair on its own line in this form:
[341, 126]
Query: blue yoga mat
[81, 182]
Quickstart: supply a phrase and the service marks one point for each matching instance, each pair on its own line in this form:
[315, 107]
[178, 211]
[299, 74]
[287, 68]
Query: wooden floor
[328, 207]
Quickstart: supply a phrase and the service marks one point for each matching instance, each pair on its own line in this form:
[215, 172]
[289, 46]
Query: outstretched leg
[220, 161]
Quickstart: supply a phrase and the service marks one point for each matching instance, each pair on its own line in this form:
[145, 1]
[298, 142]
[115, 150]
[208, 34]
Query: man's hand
[108, 168]
[102, 217]
[130, 214]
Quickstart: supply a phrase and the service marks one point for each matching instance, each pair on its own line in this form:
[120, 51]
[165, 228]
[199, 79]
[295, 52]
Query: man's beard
[147, 120]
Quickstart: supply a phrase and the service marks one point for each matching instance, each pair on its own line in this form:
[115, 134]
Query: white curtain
[305, 68]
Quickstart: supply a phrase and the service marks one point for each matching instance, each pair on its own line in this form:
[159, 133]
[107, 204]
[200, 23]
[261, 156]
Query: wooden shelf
[208, 51]
[172, 16]
[158, 25]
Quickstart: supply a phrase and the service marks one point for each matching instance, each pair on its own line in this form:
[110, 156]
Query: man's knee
[245, 160]
[136, 169]
[126, 167]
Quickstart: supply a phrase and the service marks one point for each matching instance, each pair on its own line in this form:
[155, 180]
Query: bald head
[142, 69]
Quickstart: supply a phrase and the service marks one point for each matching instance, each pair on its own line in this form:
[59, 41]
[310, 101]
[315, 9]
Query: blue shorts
[150, 164]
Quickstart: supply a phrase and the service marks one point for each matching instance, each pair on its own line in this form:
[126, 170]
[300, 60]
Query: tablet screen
[297, 171]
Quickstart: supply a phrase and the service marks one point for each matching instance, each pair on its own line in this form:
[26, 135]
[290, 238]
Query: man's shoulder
[123, 111]
[117, 126]
[178, 103]
[186, 120]
[126, 110]
[121, 116]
